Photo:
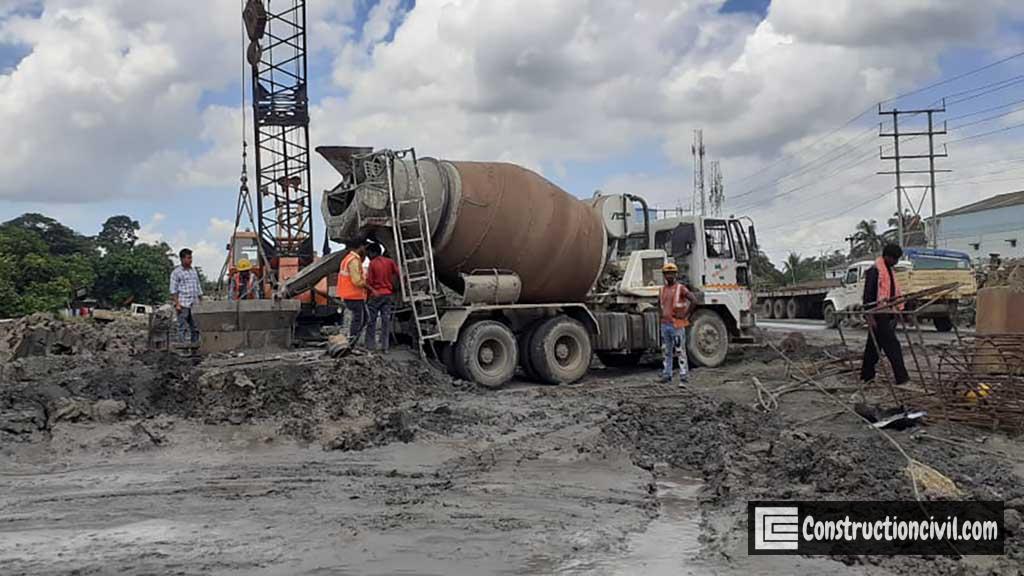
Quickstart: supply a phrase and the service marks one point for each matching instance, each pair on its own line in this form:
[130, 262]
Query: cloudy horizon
[119, 106]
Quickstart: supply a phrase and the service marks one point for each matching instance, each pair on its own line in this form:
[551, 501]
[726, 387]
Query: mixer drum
[511, 218]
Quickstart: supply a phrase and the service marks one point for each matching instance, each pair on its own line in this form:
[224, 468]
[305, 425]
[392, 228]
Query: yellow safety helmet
[669, 267]
[244, 265]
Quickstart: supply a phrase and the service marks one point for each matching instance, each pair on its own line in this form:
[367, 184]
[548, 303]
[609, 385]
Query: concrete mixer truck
[503, 269]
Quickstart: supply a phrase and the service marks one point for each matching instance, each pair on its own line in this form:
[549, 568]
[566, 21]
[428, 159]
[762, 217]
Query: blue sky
[652, 154]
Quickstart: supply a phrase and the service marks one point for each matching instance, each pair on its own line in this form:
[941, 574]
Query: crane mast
[276, 52]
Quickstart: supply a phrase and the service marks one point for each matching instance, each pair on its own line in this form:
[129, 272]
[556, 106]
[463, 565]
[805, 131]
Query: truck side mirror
[753, 239]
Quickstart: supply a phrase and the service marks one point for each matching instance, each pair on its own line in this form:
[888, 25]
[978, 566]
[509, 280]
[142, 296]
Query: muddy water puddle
[667, 546]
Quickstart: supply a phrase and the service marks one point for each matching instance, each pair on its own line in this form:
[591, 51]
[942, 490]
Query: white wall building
[991, 226]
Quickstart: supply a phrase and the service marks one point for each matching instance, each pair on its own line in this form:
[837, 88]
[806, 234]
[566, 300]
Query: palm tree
[867, 241]
[793, 267]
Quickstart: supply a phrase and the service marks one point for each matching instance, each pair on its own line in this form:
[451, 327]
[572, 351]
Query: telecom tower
[698, 170]
[277, 54]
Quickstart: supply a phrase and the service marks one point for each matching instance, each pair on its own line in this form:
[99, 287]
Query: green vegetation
[43, 264]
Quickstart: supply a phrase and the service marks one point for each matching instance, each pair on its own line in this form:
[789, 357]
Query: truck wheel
[560, 350]
[779, 308]
[707, 339]
[447, 357]
[627, 360]
[829, 312]
[486, 353]
[525, 363]
[943, 323]
[766, 308]
[793, 308]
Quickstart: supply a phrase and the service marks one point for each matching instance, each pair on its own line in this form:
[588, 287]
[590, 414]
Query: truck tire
[829, 312]
[525, 363]
[943, 323]
[793, 308]
[447, 357]
[779, 308]
[560, 350]
[707, 339]
[487, 354]
[627, 360]
[766, 308]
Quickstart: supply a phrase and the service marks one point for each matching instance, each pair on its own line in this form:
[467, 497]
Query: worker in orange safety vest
[352, 287]
[880, 286]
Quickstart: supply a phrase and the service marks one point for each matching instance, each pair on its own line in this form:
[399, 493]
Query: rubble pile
[744, 454]
[45, 334]
[78, 371]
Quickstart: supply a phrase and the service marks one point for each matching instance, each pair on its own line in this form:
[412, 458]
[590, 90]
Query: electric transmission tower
[899, 158]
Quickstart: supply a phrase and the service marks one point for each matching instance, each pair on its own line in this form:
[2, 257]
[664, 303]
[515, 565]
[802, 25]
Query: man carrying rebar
[880, 287]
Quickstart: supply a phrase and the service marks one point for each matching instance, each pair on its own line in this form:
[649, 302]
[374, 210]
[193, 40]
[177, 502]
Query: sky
[135, 107]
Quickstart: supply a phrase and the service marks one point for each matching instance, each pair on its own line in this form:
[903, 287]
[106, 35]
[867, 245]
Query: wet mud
[120, 460]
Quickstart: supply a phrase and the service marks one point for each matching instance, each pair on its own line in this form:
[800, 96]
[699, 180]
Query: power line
[869, 156]
[955, 78]
[804, 169]
[833, 217]
[1003, 85]
[814, 164]
[984, 134]
[983, 110]
[807, 147]
[988, 119]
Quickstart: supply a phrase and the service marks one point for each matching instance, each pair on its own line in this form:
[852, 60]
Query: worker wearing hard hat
[243, 285]
[352, 287]
[677, 304]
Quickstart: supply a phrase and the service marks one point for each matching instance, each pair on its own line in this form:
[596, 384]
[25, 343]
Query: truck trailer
[503, 269]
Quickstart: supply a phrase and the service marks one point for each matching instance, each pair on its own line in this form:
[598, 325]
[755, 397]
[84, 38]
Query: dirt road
[386, 468]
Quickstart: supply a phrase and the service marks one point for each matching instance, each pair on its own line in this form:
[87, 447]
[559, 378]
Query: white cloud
[109, 88]
[107, 104]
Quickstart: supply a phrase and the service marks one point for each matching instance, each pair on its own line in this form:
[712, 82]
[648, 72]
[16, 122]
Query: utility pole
[899, 171]
[850, 239]
[698, 170]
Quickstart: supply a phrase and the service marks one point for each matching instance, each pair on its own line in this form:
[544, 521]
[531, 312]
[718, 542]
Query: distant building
[991, 226]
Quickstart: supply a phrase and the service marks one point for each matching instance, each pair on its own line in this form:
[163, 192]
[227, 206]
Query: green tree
[59, 239]
[118, 233]
[766, 275]
[137, 275]
[31, 278]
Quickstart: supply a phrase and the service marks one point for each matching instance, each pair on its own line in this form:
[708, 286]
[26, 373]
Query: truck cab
[713, 256]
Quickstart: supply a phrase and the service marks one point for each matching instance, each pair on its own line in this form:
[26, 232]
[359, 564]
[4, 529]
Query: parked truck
[920, 268]
[532, 277]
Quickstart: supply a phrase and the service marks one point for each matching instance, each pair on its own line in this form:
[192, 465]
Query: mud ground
[121, 461]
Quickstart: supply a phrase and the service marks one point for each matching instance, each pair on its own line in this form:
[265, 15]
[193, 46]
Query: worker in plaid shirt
[186, 290]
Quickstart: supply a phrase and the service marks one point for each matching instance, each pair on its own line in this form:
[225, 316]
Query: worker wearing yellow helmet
[677, 304]
[243, 285]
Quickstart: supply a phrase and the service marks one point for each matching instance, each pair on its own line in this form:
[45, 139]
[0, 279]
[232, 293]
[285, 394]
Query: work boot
[664, 379]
